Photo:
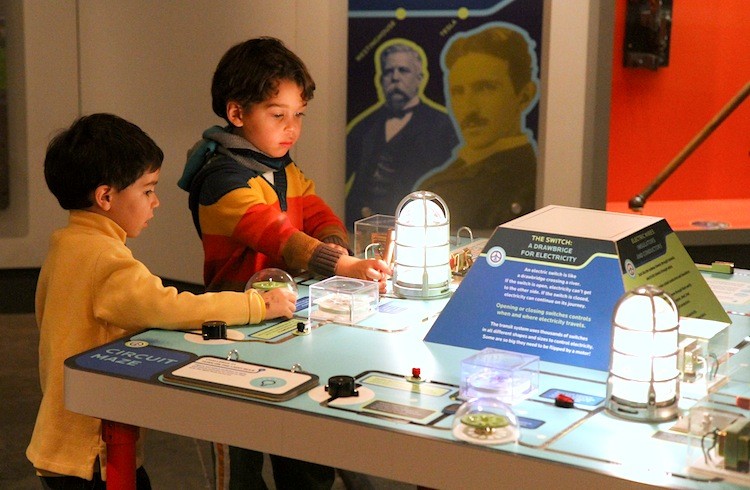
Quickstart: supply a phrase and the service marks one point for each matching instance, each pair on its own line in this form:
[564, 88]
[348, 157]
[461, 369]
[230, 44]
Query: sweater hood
[219, 140]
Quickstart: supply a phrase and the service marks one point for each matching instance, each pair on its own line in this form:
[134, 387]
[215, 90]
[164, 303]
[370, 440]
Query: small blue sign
[131, 359]
[390, 307]
[302, 303]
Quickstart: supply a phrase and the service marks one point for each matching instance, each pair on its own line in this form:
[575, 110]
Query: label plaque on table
[241, 379]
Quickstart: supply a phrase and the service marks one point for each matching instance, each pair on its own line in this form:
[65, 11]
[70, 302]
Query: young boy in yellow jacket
[92, 290]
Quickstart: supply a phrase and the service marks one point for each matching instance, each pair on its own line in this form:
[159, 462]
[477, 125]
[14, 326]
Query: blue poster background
[430, 26]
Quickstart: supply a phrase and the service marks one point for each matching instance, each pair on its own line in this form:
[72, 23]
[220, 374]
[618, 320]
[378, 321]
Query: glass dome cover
[271, 278]
[485, 420]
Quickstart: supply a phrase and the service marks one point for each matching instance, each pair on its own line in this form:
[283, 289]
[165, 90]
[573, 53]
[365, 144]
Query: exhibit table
[400, 423]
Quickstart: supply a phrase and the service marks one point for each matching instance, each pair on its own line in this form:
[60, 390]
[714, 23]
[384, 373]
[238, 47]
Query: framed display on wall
[444, 99]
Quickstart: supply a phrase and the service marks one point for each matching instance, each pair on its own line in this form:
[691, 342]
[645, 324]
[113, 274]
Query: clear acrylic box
[508, 376]
[373, 229]
[701, 344]
[343, 300]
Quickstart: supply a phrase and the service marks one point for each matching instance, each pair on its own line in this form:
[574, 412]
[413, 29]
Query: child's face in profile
[133, 207]
[274, 125]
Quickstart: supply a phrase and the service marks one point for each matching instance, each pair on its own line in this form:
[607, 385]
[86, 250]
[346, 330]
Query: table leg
[120, 439]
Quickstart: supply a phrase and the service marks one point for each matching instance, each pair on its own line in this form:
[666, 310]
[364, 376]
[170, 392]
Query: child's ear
[103, 197]
[234, 114]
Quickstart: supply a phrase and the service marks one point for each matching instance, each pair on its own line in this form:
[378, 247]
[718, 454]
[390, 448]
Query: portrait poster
[444, 96]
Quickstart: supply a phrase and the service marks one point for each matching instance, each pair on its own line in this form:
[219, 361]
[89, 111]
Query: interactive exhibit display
[546, 284]
[566, 284]
[549, 293]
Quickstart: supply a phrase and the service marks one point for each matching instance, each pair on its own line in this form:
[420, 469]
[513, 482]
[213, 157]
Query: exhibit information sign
[546, 284]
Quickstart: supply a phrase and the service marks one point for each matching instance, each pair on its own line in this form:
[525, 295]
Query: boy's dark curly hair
[99, 149]
[250, 73]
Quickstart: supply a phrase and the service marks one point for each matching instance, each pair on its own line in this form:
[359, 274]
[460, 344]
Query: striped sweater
[247, 223]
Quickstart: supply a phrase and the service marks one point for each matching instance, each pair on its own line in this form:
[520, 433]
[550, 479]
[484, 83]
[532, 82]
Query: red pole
[120, 439]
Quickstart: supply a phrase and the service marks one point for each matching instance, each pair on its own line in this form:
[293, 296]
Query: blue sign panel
[131, 359]
[551, 299]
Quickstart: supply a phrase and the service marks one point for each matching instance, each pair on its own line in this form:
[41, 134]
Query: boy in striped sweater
[254, 208]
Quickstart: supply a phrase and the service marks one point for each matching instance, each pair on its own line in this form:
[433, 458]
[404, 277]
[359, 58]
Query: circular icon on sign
[268, 382]
[136, 344]
[496, 256]
[630, 268]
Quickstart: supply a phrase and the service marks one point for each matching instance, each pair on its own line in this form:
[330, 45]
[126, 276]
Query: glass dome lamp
[643, 382]
[422, 247]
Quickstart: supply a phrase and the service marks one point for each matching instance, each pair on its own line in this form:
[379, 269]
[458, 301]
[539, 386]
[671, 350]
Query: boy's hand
[280, 302]
[369, 269]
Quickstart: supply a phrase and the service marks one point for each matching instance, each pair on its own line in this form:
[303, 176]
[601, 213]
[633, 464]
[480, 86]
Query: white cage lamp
[422, 252]
[643, 374]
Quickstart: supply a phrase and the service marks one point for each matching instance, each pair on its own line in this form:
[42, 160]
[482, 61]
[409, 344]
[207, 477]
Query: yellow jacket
[92, 291]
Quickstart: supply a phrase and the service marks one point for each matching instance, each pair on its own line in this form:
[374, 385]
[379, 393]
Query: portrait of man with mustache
[491, 80]
[404, 135]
